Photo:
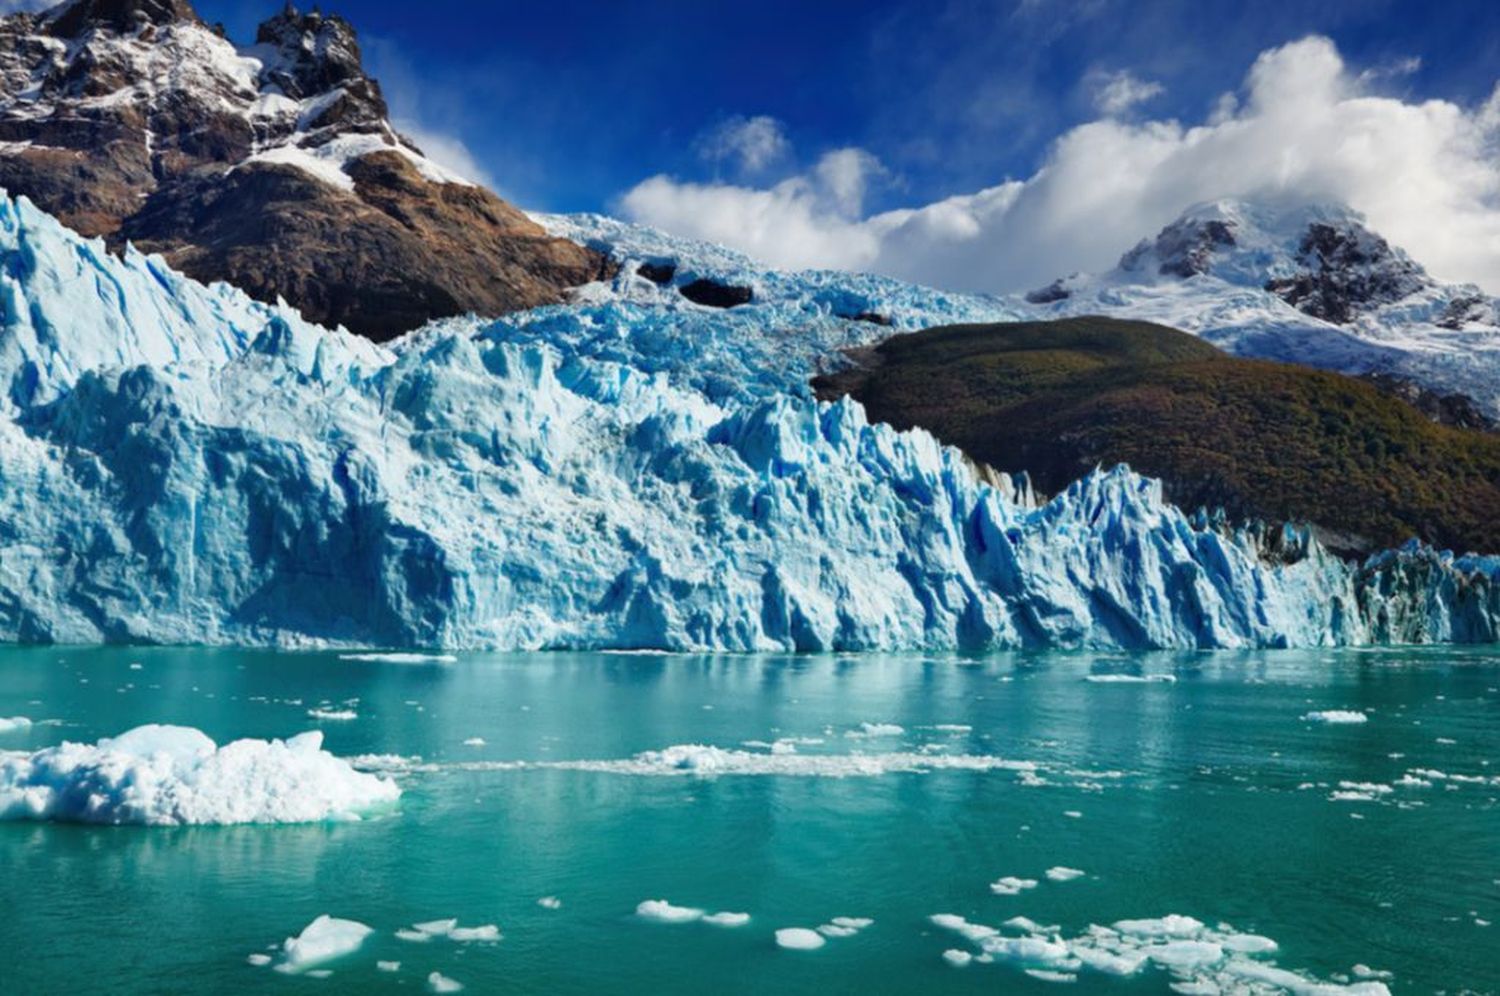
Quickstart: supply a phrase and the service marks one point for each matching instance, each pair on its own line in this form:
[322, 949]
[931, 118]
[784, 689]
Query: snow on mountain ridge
[1303, 284]
[542, 482]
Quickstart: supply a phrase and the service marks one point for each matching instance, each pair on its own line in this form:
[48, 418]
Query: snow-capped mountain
[1302, 284]
[180, 464]
[135, 120]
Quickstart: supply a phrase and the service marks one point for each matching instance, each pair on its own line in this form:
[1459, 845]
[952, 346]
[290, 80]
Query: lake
[1071, 789]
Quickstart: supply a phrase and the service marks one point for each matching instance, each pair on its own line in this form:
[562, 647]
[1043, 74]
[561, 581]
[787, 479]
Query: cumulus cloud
[749, 144]
[809, 220]
[1304, 127]
[1116, 93]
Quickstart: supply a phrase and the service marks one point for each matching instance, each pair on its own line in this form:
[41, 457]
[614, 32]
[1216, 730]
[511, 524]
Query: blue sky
[568, 103]
[973, 144]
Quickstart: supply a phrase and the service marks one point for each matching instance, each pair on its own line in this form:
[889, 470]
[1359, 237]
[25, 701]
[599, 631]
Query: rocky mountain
[1302, 284]
[273, 166]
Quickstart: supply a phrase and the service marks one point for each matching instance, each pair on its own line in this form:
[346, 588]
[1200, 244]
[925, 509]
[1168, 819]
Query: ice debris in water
[171, 775]
[1063, 874]
[1012, 886]
[549, 903]
[333, 715]
[707, 761]
[727, 919]
[14, 724]
[439, 983]
[1199, 959]
[742, 513]
[321, 941]
[799, 939]
[662, 911]
[1336, 717]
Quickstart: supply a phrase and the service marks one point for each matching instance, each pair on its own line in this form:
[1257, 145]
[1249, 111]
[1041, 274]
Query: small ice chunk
[465, 935]
[1064, 874]
[1109, 962]
[14, 724]
[259, 960]
[1250, 944]
[549, 903]
[1029, 925]
[1186, 954]
[876, 730]
[388, 966]
[1336, 716]
[334, 715]
[437, 928]
[401, 658]
[852, 922]
[799, 939]
[1012, 886]
[439, 983]
[321, 941]
[413, 936]
[1048, 975]
[1171, 925]
[957, 958]
[662, 911]
[474, 742]
[727, 919]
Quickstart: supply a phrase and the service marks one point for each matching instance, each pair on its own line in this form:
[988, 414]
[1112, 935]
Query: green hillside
[1262, 440]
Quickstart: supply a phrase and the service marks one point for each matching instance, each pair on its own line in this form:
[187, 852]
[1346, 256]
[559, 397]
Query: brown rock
[114, 147]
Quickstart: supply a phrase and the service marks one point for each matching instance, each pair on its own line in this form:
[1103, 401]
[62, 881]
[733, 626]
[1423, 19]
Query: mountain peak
[145, 125]
[124, 16]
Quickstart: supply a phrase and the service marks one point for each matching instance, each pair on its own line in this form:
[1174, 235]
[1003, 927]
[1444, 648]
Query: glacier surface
[181, 465]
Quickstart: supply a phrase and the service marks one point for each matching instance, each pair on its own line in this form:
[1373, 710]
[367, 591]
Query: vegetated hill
[1260, 439]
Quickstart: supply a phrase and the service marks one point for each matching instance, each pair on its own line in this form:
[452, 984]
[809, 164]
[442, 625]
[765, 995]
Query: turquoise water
[1209, 797]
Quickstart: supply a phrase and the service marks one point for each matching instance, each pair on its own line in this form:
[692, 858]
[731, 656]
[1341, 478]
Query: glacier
[181, 465]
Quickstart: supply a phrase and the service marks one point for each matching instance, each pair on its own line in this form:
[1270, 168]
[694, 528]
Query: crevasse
[179, 464]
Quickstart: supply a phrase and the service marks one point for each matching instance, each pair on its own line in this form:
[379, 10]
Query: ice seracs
[166, 776]
[184, 466]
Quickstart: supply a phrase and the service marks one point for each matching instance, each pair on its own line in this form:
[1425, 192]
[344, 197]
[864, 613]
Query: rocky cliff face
[273, 167]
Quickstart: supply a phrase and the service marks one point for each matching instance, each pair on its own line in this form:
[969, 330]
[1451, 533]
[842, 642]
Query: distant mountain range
[272, 166]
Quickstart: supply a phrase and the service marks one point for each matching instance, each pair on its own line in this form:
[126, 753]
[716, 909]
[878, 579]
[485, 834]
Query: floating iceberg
[325, 939]
[169, 776]
[179, 464]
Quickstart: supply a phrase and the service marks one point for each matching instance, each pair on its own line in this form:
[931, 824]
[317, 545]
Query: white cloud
[448, 151]
[1116, 93]
[1305, 127]
[805, 221]
[750, 144]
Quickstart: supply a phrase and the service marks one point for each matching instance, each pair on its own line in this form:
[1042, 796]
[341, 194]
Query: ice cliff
[179, 464]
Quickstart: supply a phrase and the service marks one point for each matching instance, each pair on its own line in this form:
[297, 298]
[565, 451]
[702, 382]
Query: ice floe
[727, 919]
[14, 724]
[1336, 717]
[661, 911]
[169, 775]
[1131, 679]
[400, 658]
[1010, 885]
[1198, 959]
[1063, 874]
[333, 715]
[549, 903]
[799, 939]
[439, 983]
[325, 939]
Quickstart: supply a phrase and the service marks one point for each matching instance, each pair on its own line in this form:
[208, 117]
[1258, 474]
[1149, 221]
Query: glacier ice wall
[185, 466]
